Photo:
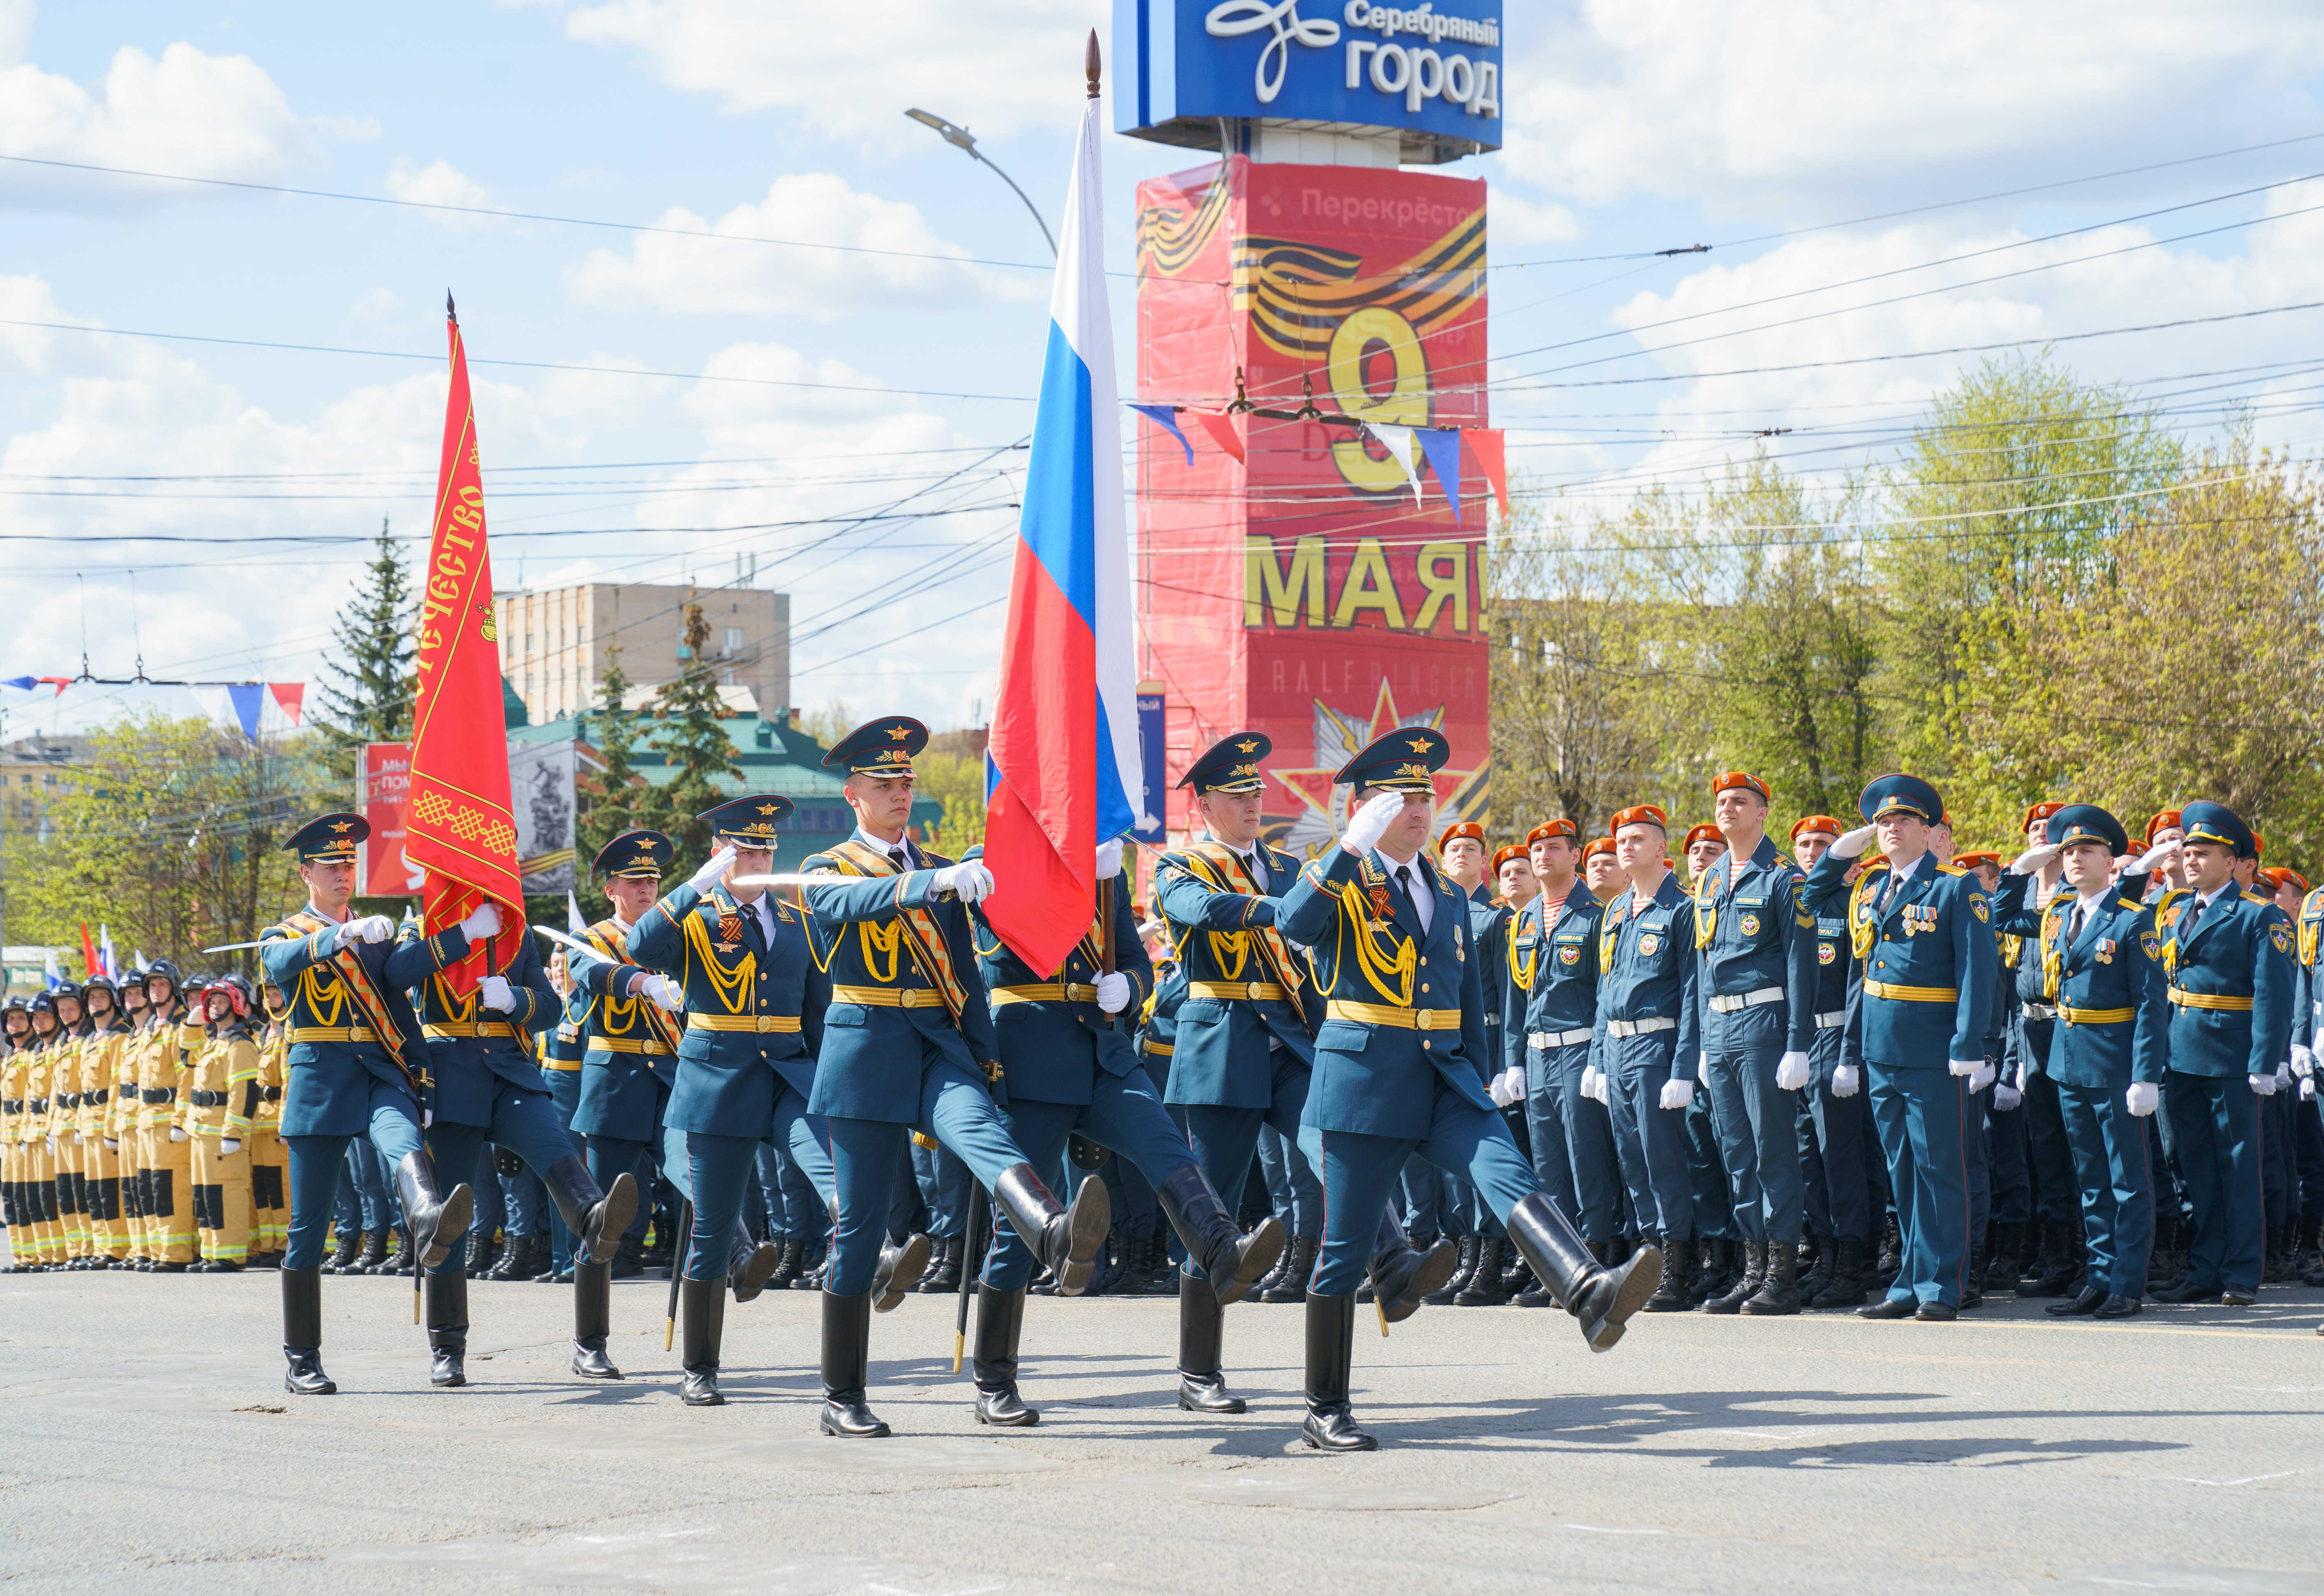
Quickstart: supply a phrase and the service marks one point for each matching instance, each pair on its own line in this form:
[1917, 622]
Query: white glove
[1514, 1078]
[78, 1140]
[1368, 825]
[2284, 1077]
[228, 1147]
[111, 1146]
[494, 993]
[970, 880]
[484, 922]
[371, 927]
[1983, 1078]
[52, 1145]
[2263, 1085]
[2308, 1090]
[707, 877]
[1498, 1089]
[2036, 859]
[1964, 1067]
[2156, 854]
[2006, 1098]
[1844, 1081]
[1852, 843]
[2303, 1061]
[427, 1119]
[1113, 992]
[1678, 1095]
[2143, 1098]
[1792, 1072]
[1593, 1085]
[177, 1133]
[662, 990]
[1109, 859]
[1702, 1066]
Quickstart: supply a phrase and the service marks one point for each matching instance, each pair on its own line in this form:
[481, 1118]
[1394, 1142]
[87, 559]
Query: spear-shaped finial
[1090, 64]
[450, 315]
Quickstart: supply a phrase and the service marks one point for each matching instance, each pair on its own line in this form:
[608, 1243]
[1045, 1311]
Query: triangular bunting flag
[1442, 445]
[1219, 427]
[1397, 442]
[1165, 417]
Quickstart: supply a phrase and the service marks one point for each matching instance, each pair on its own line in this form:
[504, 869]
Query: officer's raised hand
[371, 927]
[2035, 859]
[1368, 825]
[482, 922]
[1852, 843]
[713, 873]
[2156, 854]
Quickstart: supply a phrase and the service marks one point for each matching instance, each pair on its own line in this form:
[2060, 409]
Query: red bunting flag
[461, 830]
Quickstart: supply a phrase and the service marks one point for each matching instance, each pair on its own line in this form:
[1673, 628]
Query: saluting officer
[483, 1086]
[754, 1002]
[1922, 929]
[2032, 1015]
[1834, 1104]
[1071, 1072]
[2227, 957]
[2101, 963]
[1395, 1071]
[908, 1044]
[1755, 943]
[356, 1058]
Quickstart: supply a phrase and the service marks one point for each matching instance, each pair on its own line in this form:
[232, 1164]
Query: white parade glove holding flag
[484, 922]
[2143, 1098]
[971, 880]
[494, 993]
[1792, 1072]
[1109, 859]
[1368, 825]
[1845, 1081]
[1852, 843]
[1113, 992]
[707, 877]
[1678, 1094]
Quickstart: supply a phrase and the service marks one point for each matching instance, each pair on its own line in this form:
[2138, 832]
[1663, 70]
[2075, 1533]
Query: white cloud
[439, 183]
[375, 304]
[356, 130]
[1514, 219]
[186, 112]
[1738, 106]
[999, 66]
[2282, 262]
[702, 277]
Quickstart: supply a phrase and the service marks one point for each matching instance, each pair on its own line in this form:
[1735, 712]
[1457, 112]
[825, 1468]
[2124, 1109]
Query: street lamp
[961, 138]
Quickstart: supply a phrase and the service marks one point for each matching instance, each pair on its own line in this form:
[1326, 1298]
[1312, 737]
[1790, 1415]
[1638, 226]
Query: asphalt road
[146, 1446]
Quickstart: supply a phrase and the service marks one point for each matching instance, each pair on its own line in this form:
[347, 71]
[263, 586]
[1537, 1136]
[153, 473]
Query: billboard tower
[1317, 589]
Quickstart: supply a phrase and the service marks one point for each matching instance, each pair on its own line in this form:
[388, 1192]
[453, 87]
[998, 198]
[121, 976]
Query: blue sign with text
[1431, 71]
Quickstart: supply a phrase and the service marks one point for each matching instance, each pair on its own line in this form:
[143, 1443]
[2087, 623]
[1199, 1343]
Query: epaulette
[1950, 868]
[2132, 904]
[2251, 896]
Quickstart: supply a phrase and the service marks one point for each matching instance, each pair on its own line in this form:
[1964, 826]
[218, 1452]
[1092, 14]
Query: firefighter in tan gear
[270, 1201]
[218, 1106]
[96, 1136]
[165, 1157]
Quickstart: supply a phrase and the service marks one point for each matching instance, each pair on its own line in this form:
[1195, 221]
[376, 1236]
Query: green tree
[692, 743]
[369, 700]
[957, 782]
[610, 796]
[170, 831]
[2007, 511]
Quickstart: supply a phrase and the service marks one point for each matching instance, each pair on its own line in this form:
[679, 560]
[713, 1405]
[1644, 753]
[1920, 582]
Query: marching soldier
[1397, 1072]
[1921, 929]
[908, 1043]
[220, 1105]
[755, 1003]
[483, 1086]
[354, 1047]
[1755, 943]
[2227, 957]
[2101, 959]
[1071, 1072]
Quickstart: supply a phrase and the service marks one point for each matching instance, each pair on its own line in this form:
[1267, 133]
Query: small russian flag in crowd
[1063, 749]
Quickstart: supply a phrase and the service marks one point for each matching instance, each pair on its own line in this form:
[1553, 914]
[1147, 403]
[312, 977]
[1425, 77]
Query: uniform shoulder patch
[2150, 945]
[2281, 934]
[1978, 906]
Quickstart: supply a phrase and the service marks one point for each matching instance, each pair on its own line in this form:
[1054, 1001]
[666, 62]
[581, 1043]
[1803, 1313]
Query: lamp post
[961, 138]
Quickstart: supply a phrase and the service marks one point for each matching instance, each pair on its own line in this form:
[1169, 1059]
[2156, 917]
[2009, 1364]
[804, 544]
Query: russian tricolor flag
[1063, 748]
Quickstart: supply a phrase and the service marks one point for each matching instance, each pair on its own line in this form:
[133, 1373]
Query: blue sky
[1632, 126]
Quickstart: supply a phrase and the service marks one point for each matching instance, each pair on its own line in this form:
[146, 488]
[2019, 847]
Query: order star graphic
[1314, 788]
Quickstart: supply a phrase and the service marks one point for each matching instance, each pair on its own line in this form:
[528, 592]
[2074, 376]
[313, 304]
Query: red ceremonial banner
[460, 828]
[1294, 586]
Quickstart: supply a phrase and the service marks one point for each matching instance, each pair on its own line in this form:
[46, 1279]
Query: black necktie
[1404, 885]
[2074, 926]
[897, 855]
[2186, 921]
